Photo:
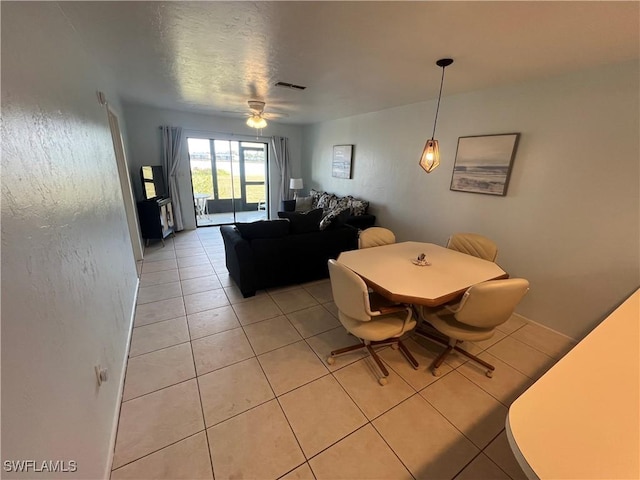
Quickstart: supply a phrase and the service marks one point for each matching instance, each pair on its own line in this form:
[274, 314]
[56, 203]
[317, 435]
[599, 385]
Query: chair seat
[451, 327]
[379, 328]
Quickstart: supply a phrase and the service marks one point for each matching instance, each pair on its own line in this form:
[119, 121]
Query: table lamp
[295, 184]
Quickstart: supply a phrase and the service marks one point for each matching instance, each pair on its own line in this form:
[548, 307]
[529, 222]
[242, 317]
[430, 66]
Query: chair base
[369, 346]
[451, 345]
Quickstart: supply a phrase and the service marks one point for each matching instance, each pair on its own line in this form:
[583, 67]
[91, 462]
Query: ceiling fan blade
[274, 115]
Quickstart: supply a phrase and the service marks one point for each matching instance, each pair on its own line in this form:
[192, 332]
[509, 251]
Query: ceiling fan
[257, 116]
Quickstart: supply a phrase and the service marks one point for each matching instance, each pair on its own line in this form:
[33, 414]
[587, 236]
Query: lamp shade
[256, 121]
[430, 158]
[295, 184]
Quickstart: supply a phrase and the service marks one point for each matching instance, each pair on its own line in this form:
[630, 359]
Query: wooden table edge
[436, 302]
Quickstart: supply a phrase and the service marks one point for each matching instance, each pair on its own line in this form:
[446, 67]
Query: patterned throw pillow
[325, 200]
[315, 196]
[358, 207]
[338, 213]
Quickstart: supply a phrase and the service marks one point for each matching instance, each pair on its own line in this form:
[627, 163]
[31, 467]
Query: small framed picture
[341, 163]
[483, 163]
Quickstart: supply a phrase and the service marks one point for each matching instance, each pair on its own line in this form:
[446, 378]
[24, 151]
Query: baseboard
[116, 418]
[528, 320]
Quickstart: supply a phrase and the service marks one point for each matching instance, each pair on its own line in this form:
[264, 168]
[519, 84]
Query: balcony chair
[368, 317]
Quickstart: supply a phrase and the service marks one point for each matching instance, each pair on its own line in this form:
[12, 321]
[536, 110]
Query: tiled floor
[239, 388]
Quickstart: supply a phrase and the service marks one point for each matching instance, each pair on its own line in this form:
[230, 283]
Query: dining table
[394, 272]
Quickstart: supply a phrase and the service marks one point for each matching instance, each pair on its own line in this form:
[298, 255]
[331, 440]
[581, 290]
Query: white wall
[68, 273]
[144, 139]
[570, 220]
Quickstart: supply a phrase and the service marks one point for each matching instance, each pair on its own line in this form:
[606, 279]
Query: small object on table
[421, 260]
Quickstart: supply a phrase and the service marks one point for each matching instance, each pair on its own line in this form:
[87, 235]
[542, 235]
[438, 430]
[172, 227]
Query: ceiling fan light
[430, 158]
[256, 121]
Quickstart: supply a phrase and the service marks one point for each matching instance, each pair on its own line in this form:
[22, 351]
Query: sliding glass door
[229, 179]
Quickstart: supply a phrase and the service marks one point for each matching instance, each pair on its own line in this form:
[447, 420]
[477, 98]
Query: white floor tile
[153, 421]
[292, 300]
[469, 408]
[291, 366]
[219, 350]
[424, 440]
[187, 459]
[256, 309]
[199, 302]
[158, 335]
[321, 413]
[533, 363]
[159, 311]
[362, 455]
[232, 390]
[360, 380]
[270, 334]
[481, 468]
[212, 321]
[162, 368]
[255, 444]
[312, 321]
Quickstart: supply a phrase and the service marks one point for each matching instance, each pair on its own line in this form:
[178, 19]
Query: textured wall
[144, 144]
[68, 273]
[570, 220]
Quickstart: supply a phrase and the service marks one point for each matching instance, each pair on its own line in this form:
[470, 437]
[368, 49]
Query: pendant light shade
[430, 158]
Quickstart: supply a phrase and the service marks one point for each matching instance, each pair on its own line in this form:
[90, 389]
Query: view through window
[229, 180]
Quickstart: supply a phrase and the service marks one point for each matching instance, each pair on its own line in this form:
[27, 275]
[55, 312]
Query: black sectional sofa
[272, 253]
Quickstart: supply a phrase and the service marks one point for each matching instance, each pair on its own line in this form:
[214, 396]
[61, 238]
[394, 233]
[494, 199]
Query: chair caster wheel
[395, 346]
[331, 360]
[489, 373]
[436, 372]
[382, 381]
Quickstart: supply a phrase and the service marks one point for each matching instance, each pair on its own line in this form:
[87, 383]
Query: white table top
[581, 419]
[388, 270]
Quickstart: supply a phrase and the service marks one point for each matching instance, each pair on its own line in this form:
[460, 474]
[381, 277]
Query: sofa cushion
[358, 207]
[325, 200]
[263, 229]
[303, 222]
[304, 204]
[337, 216]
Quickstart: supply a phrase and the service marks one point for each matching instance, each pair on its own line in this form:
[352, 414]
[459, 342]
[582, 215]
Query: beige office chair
[375, 237]
[483, 307]
[473, 244]
[380, 323]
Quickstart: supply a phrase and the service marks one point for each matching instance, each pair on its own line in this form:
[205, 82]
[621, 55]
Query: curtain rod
[224, 133]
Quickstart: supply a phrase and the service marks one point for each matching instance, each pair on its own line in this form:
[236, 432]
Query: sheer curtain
[281, 150]
[171, 141]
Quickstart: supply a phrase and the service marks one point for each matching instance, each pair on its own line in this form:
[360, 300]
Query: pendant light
[430, 158]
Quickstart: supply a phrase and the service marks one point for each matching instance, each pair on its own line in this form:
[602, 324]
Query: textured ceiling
[354, 57]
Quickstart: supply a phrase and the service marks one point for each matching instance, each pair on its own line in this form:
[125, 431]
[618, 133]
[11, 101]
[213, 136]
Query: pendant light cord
[435, 122]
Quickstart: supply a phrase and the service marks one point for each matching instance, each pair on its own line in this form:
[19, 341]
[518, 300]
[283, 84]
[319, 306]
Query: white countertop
[581, 419]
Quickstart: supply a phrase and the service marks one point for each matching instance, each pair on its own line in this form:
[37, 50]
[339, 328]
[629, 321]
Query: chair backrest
[489, 304]
[375, 237]
[350, 293]
[473, 244]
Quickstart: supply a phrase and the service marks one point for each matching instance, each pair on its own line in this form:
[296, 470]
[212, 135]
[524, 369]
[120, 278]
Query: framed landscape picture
[483, 163]
[341, 164]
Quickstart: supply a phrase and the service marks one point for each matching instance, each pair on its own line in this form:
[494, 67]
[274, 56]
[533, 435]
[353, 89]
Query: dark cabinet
[156, 219]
